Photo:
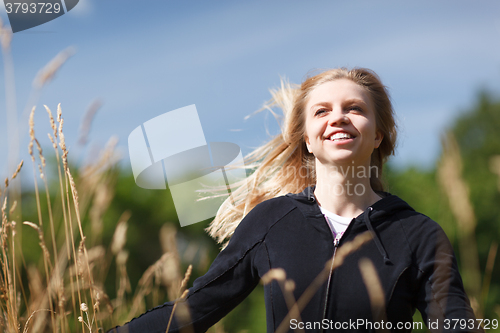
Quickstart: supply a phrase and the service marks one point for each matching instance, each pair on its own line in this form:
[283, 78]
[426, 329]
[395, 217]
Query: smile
[340, 136]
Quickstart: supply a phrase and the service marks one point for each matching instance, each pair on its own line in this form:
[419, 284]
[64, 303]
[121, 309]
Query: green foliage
[477, 132]
[478, 135]
[420, 189]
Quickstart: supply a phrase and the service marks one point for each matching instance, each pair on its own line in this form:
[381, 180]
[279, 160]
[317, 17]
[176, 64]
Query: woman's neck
[344, 190]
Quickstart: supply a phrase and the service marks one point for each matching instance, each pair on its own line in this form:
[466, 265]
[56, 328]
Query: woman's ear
[378, 139]
[306, 141]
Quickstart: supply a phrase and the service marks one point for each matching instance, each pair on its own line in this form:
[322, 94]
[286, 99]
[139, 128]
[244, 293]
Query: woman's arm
[230, 279]
[212, 296]
[441, 297]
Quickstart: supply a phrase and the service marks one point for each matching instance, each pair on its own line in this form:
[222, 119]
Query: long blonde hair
[283, 165]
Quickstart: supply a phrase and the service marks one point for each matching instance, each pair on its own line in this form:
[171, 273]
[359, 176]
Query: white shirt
[338, 224]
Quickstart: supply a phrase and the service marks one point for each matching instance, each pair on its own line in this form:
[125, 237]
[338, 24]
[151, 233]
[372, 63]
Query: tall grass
[457, 192]
[65, 293]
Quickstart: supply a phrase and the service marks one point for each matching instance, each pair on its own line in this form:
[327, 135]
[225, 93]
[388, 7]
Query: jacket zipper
[335, 245]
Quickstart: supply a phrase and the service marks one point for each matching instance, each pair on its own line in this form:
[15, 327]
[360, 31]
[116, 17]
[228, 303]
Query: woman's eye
[320, 111]
[355, 108]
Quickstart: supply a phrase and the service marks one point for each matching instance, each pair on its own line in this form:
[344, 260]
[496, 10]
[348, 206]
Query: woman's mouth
[341, 136]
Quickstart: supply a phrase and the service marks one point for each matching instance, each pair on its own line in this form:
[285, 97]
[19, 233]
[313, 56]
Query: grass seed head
[73, 189]
[40, 152]
[451, 180]
[41, 171]
[52, 122]
[62, 141]
[121, 258]
[62, 144]
[5, 36]
[274, 274]
[87, 121]
[31, 224]
[59, 112]
[186, 276]
[289, 285]
[18, 169]
[13, 207]
[119, 237]
[47, 73]
[30, 150]
[32, 133]
[54, 145]
[81, 263]
[32, 124]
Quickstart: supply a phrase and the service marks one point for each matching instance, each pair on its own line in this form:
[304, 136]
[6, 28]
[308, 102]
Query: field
[83, 249]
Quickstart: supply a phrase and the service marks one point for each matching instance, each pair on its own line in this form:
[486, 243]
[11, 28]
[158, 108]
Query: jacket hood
[387, 206]
[376, 213]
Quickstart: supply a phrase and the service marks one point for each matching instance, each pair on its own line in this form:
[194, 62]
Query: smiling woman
[313, 224]
[340, 119]
[341, 132]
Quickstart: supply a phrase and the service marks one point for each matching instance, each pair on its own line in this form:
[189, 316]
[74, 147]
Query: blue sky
[144, 58]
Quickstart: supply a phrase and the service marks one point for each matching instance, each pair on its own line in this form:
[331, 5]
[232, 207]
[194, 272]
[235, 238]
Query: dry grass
[375, 290]
[287, 286]
[457, 191]
[67, 294]
[64, 292]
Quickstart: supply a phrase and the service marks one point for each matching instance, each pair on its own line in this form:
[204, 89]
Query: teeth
[340, 136]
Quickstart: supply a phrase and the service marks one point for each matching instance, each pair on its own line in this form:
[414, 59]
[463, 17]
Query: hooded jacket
[411, 254]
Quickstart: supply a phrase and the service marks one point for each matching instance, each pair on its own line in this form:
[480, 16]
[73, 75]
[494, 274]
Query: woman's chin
[338, 158]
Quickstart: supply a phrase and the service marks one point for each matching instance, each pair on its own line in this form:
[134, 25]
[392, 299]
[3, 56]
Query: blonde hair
[283, 165]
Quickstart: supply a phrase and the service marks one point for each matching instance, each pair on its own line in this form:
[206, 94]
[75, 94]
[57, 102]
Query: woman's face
[340, 126]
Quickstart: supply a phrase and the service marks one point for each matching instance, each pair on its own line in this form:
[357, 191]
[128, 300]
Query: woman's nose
[337, 117]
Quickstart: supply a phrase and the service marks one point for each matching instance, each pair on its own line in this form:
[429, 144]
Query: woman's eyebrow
[328, 104]
[346, 102]
[355, 100]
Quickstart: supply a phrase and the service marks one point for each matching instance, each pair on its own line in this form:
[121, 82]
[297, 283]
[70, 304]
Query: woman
[338, 131]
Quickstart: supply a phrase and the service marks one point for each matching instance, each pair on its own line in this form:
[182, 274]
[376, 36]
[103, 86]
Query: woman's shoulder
[418, 221]
[416, 226]
[421, 231]
[402, 211]
[271, 210]
[257, 223]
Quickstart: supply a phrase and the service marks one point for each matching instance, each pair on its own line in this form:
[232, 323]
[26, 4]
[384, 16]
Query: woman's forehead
[338, 90]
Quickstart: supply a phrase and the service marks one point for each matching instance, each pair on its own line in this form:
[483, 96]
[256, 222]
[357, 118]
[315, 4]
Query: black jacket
[410, 252]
